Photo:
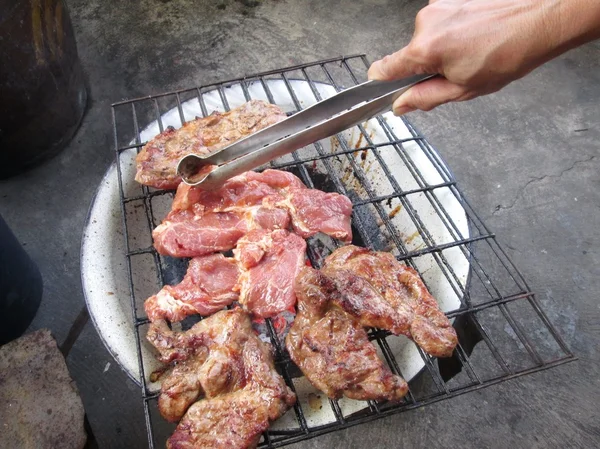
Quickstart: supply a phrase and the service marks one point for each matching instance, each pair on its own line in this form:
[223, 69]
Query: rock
[40, 406]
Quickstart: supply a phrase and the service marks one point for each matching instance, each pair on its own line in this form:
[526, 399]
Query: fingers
[429, 94]
[394, 66]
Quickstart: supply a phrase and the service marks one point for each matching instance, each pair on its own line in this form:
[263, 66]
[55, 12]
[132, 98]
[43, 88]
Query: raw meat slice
[157, 162]
[247, 189]
[418, 315]
[332, 348]
[183, 234]
[206, 288]
[186, 234]
[315, 211]
[269, 262]
[202, 222]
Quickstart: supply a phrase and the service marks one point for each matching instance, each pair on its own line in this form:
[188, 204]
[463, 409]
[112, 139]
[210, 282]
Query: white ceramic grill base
[103, 262]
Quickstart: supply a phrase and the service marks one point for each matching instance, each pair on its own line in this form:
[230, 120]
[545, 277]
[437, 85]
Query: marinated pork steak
[269, 262]
[202, 222]
[221, 359]
[415, 313]
[315, 211]
[205, 359]
[237, 419]
[186, 234]
[332, 348]
[206, 288]
[157, 162]
[247, 189]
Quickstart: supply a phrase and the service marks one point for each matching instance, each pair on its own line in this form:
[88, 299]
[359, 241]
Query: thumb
[394, 66]
[429, 94]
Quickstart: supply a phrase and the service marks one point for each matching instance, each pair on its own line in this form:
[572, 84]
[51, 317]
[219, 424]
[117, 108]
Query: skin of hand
[480, 46]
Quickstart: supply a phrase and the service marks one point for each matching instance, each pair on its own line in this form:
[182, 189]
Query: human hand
[480, 46]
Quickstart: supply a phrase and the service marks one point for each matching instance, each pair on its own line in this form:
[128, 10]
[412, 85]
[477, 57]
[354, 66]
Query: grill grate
[503, 332]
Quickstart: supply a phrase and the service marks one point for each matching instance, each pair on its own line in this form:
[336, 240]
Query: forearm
[480, 46]
[577, 22]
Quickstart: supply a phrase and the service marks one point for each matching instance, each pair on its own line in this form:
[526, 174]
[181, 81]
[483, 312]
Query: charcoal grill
[503, 331]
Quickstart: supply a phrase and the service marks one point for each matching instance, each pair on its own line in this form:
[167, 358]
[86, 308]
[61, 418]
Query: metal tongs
[319, 121]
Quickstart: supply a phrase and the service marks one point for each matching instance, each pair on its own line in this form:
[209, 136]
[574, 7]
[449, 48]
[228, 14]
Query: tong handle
[307, 126]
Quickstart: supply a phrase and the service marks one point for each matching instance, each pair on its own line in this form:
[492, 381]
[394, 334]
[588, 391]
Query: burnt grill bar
[494, 284]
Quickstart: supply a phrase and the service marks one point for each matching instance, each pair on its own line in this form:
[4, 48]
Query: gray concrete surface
[527, 158]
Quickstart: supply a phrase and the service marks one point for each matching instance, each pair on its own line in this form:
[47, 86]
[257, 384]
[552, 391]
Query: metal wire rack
[503, 331]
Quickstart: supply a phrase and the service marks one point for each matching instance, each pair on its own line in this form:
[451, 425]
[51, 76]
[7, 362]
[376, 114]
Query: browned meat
[207, 359]
[332, 348]
[203, 222]
[359, 299]
[181, 387]
[206, 288]
[417, 314]
[157, 162]
[236, 420]
[269, 262]
[221, 359]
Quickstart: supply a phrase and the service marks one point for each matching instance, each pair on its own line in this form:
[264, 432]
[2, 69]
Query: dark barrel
[20, 286]
[42, 88]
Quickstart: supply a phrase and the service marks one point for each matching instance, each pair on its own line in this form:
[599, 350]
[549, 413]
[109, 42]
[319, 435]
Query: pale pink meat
[315, 211]
[183, 234]
[269, 263]
[202, 222]
[237, 192]
[206, 288]
[247, 189]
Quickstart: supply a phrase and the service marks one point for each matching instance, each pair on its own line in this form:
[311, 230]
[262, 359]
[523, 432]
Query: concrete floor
[527, 158]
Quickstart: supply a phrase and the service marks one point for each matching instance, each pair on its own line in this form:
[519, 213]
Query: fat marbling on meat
[189, 234]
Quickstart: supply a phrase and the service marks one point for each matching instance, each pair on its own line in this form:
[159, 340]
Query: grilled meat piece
[157, 162]
[206, 359]
[359, 299]
[221, 359]
[202, 222]
[236, 420]
[269, 262]
[416, 313]
[206, 288]
[332, 348]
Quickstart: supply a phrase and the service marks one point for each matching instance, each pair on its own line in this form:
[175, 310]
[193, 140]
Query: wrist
[576, 22]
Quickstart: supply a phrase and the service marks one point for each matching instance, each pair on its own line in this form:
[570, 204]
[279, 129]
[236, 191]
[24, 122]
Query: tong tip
[194, 169]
